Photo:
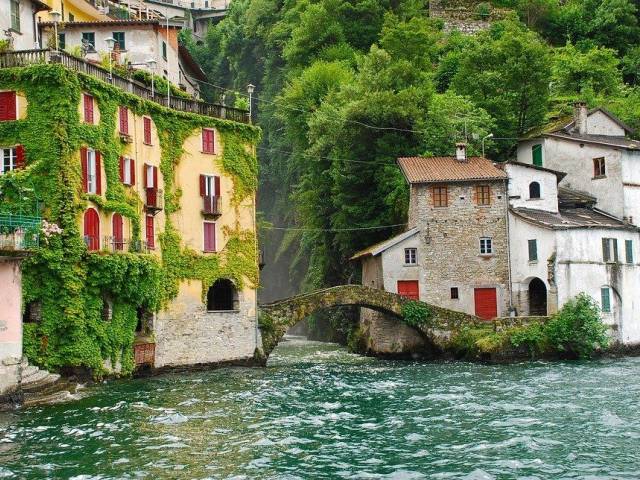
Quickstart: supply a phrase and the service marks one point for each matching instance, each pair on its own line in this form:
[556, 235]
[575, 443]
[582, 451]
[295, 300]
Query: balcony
[211, 206]
[19, 233]
[154, 201]
[114, 244]
[23, 58]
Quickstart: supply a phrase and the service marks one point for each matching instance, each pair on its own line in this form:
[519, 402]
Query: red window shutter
[19, 156]
[216, 181]
[150, 230]
[88, 108]
[203, 188]
[118, 235]
[8, 106]
[92, 229]
[209, 237]
[155, 177]
[207, 140]
[147, 130]
[98, 174]
[124, 120]
[132, 166]
[146, 175]
[121, 167]
[85, 173]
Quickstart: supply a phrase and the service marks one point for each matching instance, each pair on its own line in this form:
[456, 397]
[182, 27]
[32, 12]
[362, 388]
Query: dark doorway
[222, 295]
[537, 297]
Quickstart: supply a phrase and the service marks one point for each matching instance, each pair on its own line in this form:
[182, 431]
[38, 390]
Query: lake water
[319, 412]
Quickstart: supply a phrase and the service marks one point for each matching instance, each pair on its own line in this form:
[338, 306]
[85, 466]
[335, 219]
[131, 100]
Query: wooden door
[409, 289]
[118, 234]
[486, 303]
[92, 229]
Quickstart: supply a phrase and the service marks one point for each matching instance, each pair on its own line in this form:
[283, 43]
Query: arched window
[534, 190]
[222, 295]
[92, 229]
[117, 230]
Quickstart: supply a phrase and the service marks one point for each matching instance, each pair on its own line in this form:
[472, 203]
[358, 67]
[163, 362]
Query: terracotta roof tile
[448, 169]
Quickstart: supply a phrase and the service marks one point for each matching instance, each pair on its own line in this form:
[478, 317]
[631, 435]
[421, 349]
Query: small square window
[439, 195]
[486, 246]
[410, 256]
[455, 295]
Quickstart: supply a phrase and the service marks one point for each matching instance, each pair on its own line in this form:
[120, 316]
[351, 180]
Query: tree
[505, 72]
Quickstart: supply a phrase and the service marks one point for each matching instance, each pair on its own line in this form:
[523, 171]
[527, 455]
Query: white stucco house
[18, 20]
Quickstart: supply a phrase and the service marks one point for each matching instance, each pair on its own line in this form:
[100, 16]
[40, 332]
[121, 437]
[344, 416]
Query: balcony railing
[211, 205]
[139, 246]
[19, 232]
[23, 58]
[154, 200]
[116, 244]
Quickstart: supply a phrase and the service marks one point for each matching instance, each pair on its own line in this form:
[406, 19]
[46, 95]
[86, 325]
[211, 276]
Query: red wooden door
[209, 237]
[150, 230]
[92, 229]
[409, 289]
[486, 303]
[118, 236]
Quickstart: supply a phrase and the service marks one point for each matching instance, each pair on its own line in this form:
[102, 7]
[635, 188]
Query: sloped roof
[449, 169]
[611, 116]
[190, 62]
[560, 175]
[571, 218]
[380, 247]
[568, 197]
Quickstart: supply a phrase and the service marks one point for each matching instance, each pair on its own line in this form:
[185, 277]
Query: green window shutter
[606, 254]
[628, 246]
[536, 152]
[533, 250]
[606, 299]
[615, 250]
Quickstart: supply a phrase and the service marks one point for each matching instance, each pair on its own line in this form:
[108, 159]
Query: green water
[319, 412]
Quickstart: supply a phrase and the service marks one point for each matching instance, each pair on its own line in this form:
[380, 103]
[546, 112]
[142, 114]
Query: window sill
[223, 311]
[534, 199]
[13, 30]
[487, 255]
[148, 144]
[209, 251]
[410, 265]
[207, 153]
[533, 262]
[599, 177]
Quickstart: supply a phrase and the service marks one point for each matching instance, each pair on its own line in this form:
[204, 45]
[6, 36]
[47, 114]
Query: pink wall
[10, 308]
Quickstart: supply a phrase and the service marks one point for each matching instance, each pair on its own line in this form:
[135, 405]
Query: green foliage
[577, 328]
[416, 314]
[73, 285]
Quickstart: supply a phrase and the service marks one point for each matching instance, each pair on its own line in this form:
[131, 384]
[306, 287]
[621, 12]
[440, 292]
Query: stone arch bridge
[277, 317]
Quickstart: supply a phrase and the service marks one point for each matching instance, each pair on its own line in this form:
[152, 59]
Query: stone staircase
[41, 387]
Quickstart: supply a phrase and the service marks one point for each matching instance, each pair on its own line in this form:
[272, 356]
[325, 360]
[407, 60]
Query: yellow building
[73, 11]
[164, 204]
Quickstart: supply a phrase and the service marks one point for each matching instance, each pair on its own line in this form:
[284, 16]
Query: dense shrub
[415, 313]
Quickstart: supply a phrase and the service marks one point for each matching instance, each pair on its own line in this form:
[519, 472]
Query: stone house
[456, 253]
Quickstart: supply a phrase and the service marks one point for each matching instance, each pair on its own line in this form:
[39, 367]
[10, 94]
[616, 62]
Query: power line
[354, 229]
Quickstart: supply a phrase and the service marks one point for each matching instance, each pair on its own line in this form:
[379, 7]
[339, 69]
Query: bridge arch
[277, 317]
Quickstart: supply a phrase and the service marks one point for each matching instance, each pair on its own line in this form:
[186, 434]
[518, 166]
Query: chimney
[580, 117]
[461, 152]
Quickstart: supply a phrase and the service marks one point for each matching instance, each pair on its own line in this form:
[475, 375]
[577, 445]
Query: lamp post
[250, 89]
[56, 16]
[483, 139]
[111, 43]
[151, 63]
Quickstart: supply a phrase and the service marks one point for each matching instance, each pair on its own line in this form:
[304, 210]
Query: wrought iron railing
[139, 246]
[23, 58]
[211, 205]
[19, 232]
[115, 244]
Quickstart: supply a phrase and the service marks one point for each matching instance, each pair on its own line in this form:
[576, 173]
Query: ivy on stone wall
[72, 285]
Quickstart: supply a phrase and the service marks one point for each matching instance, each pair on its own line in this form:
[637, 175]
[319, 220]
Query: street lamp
[151, 63]
[56, 16]
[250, 89]
[483, 139]
[111, 43]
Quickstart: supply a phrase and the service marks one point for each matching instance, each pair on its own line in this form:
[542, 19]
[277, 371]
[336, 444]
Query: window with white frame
[150, 178]
[126, 171]
[486, 246]
[410, 256]
[92, 184]
[209, 185]
[9, 158]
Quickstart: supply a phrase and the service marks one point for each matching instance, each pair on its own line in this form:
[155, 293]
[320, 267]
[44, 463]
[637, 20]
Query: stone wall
[384, 335]
[449, 252]
[464, 15]
[10, 325]
[187, 334]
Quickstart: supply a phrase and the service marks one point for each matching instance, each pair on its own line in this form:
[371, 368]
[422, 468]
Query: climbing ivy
[72, 285]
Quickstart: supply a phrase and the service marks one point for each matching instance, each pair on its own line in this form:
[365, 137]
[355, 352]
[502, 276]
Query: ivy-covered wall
[71, 283]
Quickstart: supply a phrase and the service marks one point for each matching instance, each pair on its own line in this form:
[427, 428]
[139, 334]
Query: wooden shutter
[155, 177]
[536, 152]
[85, 173]
[92, 229]
[605, 297]
[216, 181]
[19, 157]
[7, 106]
[606, 253]
[207, 140]
[132, 166]
[146, 175]
[615, 249]
[88, 108]
[118, 235]
[203, 185]
[150, 231]
[147, 130]
[533, 250]
[209, 237]
[628, 246]
[98, 174]
[124, 120]
[121, 168]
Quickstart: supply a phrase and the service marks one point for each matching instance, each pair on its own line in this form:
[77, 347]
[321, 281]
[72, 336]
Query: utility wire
[354, 229]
